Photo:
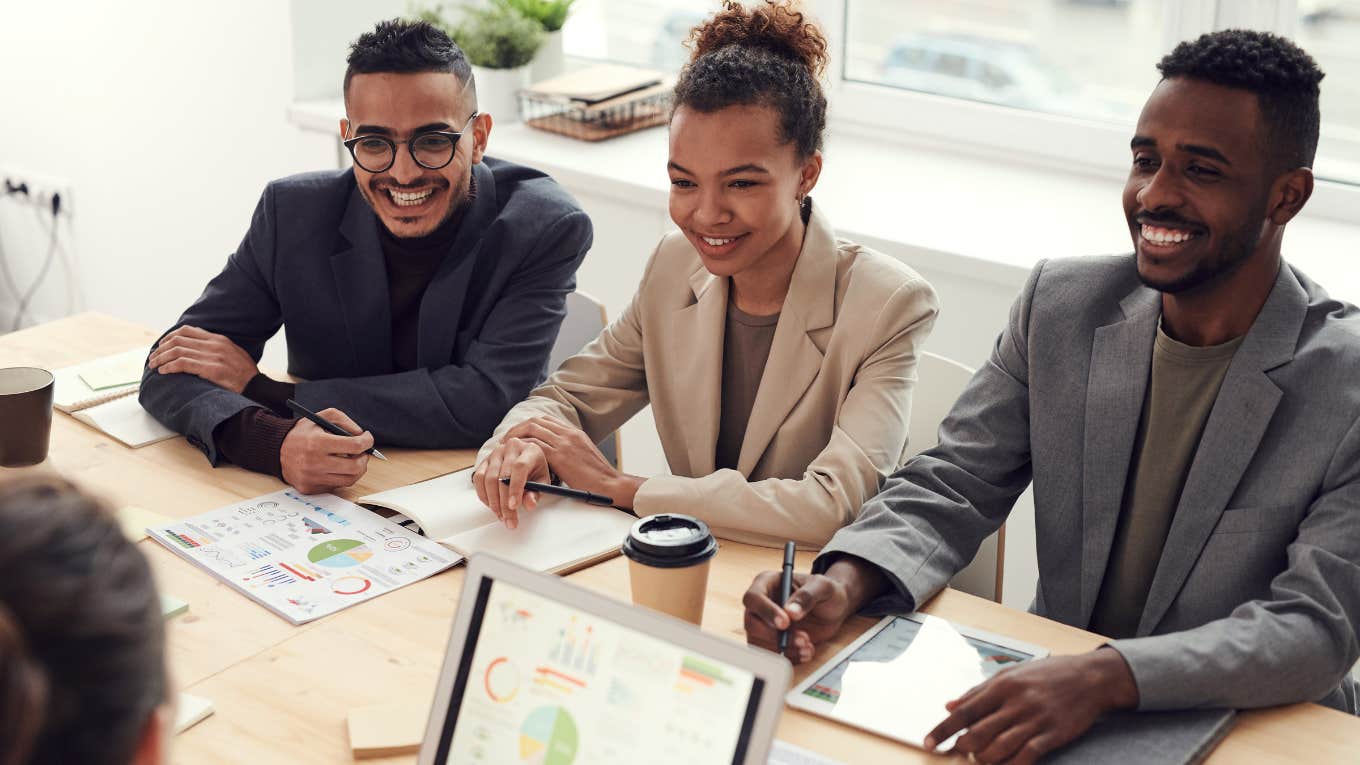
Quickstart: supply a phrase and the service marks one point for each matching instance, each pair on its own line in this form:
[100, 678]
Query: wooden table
[282, 692]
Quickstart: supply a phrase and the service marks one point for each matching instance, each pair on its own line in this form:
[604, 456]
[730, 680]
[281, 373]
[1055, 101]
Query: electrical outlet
[41, 189]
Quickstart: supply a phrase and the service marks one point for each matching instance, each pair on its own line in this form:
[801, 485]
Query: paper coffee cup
[25, 415]
[668, 562]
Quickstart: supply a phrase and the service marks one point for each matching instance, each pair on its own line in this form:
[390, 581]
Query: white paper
[304, 556]
[443, 506]
[557, 534]
[190, 710]
[905, 697]
[71, 392]
[126, 420]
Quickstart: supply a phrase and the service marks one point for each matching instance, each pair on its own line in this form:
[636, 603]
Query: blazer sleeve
[866, 444]
[597, 389]
[239, 303]
[931, 516]
[458, 405]
[1297, 644]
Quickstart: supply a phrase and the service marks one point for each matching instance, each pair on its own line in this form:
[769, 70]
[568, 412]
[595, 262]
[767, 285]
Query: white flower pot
[550, 61]
[498, 92]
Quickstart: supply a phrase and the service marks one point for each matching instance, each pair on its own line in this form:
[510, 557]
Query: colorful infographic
[548, 737]
[304, 556]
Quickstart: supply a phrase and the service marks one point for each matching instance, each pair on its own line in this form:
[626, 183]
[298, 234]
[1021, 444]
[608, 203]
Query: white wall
[166, 119]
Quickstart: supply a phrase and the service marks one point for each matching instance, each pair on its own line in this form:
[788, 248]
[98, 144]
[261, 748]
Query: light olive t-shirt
[746, 347]
[1182, 388]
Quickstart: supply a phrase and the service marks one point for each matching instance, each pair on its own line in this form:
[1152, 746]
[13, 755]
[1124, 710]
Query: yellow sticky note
[135, 520]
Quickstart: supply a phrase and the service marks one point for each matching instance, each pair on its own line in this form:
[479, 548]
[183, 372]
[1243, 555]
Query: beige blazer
[830, 418]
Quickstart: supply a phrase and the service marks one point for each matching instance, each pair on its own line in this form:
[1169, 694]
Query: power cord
[53, 246]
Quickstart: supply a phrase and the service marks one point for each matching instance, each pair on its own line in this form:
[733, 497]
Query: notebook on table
[558, 536]
[1153, 738]
[103, 394]
[542, 670]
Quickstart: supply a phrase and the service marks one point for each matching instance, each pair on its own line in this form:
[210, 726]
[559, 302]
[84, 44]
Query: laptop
[539, 670]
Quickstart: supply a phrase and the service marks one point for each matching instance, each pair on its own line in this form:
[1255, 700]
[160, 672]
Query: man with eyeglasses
[420, 292]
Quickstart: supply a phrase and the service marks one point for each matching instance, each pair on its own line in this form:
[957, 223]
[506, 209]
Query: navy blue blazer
[312, 263]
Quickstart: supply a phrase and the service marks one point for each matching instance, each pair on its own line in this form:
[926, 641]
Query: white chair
[940, 381]
[585, 319]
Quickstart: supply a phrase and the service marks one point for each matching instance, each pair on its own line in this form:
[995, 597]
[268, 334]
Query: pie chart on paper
[340, 553]
[548, 737]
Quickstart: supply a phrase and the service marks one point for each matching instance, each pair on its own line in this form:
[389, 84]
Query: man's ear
[153, 746]
[344, 128]
[1289, 194]
[481, 133]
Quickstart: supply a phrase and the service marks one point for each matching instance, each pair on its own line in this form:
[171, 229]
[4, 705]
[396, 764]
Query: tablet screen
[545, 683]
[892, 642]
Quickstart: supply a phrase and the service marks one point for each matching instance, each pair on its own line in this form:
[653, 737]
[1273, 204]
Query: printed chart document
[103, 394]
[559, 535]
[303, 556]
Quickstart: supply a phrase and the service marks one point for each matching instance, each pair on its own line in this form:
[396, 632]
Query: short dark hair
[1283, 77]
[767, 55]
[403, 46]
[82, 639]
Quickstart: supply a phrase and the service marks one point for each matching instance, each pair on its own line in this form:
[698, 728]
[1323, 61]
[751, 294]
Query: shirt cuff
[252, 438]
[272, 393]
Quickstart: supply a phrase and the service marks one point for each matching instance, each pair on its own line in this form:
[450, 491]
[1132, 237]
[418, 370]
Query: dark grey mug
[25, 415]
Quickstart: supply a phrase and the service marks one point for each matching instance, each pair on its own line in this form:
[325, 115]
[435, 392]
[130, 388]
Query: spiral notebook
[102, 394]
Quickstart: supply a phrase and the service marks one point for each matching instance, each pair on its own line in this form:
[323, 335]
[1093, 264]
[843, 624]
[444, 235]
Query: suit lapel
[698, 345]
[794, 359]
[442, 305]
[1121, 356]
[361, 281]
[1241, 413]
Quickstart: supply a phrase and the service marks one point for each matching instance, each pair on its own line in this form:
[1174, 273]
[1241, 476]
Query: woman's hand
[575, 459]
[519, 460]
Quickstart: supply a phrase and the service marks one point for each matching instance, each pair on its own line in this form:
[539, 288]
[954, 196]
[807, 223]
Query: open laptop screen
[545, 683]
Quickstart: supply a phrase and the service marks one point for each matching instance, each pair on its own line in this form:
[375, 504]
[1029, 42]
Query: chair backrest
[939, 383]
[586, 318]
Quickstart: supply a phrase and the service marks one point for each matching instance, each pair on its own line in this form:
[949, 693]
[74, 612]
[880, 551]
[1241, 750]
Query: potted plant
[499, 43]
[551, 15]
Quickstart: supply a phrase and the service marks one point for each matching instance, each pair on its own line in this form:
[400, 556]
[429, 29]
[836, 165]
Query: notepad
[387, 730]
[558, 536]
[135, 521]
[101, 394]
[190, 711]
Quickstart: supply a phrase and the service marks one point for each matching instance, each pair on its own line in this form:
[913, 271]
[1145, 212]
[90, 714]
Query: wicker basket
[598, 121]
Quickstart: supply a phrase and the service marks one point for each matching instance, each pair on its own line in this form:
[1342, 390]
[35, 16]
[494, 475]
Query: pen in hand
[328, 426]
[785, 590]
[562, 491]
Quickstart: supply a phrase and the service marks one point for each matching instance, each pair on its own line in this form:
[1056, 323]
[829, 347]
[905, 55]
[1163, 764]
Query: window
[1066, 78]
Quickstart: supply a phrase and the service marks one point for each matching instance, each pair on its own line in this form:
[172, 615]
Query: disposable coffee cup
[25, 415]
[668, 562]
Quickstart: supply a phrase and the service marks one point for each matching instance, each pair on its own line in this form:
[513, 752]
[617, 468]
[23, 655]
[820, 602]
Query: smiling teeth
[717, 242]
[1165, 235]
[409, 199]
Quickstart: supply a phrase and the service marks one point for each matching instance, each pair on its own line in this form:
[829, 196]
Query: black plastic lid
[670, 541]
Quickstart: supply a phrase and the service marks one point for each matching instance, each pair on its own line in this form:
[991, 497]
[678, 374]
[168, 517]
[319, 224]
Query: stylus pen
[562, 491]
[785, 590]
[328, 426]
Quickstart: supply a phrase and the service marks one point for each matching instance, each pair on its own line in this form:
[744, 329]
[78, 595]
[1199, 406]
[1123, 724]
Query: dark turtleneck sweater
[253, 437]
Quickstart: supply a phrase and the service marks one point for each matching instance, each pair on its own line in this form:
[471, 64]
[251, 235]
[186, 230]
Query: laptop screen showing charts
[547, 682]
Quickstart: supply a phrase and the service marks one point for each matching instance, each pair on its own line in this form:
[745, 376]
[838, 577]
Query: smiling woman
[779, 360]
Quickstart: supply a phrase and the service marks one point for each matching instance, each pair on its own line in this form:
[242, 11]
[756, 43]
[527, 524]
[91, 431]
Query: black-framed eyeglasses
[432, 150]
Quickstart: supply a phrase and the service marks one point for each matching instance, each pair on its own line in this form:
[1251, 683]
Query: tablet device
[539, 670]
[895, 679]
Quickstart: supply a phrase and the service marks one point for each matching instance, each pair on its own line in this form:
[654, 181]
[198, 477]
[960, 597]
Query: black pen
[785, 590]
[562, 491]
[328, 426]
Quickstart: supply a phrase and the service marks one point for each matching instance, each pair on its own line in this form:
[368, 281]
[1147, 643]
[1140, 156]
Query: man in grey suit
[421, 291]
[1190, 419]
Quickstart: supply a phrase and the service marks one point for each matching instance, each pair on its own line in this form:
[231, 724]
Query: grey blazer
[1256, 599]
[312, 262]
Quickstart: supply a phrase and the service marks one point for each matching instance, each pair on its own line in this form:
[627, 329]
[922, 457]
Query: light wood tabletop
[282, 693]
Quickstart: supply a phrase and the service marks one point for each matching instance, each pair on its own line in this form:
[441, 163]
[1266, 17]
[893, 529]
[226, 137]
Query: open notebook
[102, 394]
[560, 535]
